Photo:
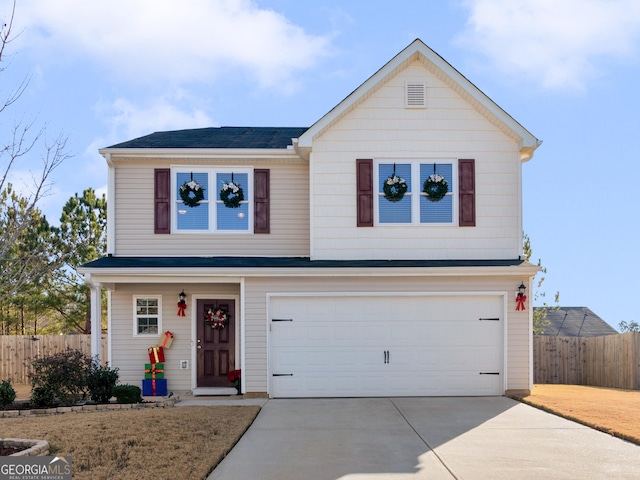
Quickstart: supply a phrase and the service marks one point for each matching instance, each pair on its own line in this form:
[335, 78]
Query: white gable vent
[415, 95]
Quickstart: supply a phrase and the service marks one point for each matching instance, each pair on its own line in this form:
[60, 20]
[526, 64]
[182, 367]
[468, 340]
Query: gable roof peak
[418, 50]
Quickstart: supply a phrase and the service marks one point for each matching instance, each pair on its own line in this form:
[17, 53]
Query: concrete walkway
[491, 438]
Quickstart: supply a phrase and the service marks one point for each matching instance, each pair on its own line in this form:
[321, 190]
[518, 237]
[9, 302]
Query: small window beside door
[147, 315]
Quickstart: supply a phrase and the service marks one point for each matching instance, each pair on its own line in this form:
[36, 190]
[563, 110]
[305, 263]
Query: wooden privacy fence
[18, 351]
[610, 361]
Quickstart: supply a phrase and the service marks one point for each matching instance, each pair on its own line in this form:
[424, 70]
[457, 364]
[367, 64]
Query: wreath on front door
[216, 318]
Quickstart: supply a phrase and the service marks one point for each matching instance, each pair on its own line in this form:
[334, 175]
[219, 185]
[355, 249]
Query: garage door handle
[386, 356]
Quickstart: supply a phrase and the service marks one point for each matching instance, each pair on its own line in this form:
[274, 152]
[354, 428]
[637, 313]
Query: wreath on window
[436, 187]
[231, 194]
[191, 193]
[216, 318]
[394, 187]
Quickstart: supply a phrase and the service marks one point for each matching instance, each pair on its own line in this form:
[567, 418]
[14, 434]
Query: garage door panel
[353, 346]
[325, 385]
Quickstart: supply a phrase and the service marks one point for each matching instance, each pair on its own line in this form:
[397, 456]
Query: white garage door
[369, 346]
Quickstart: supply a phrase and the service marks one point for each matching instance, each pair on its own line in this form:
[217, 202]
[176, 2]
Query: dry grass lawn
[184, 442]
[610, 410]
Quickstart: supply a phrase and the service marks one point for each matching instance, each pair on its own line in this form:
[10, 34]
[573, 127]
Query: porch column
[96, 322]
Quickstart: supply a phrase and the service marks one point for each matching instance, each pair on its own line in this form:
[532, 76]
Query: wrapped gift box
[156, 354]
[167, 340]
[154, 388]
[153, 371]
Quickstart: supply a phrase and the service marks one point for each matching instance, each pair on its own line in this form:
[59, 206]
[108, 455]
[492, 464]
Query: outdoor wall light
[521, 289]
[182, 304]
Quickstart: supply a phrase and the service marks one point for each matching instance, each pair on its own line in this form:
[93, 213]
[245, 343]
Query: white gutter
[223, 274]
[111, 205]
[202, 153]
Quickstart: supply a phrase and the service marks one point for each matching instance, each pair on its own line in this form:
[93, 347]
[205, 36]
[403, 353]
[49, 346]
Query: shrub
[43, 397]
[101, 381]
[127, 394]
[62, 377]
[7, 394]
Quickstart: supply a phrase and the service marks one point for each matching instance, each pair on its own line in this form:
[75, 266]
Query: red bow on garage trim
[520, 299]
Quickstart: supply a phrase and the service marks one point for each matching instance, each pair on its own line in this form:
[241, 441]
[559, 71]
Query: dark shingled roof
[282, 262]
[576, 322]
[220, 137]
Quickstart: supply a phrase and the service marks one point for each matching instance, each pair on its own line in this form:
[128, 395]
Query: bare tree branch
[6, 37]
[30, 249]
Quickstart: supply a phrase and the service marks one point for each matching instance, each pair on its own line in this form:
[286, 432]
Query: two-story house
[376, 253]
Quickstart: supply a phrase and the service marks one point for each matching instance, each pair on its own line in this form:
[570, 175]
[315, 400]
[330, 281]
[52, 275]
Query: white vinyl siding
[129, 352]
[381, 128]
[134, 228]
[257, 375]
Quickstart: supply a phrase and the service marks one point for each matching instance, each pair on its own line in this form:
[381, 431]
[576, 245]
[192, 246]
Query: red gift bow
[153, 370]
[520, 299]
[182, 306]
[167, 335]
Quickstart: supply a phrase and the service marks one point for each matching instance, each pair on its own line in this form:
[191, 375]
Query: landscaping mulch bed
[6, 451]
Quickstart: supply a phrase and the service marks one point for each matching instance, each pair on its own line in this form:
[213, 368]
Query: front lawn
[148, 444]
[611, 410]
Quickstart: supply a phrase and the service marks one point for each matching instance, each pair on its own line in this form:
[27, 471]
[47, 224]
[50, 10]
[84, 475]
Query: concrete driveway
[432, 438]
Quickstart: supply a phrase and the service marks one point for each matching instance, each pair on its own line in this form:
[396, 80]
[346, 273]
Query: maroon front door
[215, 347]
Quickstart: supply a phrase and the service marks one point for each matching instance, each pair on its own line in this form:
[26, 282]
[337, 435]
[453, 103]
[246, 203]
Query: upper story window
[211, 214]
[415, 208]
[147, 315]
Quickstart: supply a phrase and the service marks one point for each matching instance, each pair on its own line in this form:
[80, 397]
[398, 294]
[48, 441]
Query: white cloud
[555, 42]
[129, 120]
[173, 41]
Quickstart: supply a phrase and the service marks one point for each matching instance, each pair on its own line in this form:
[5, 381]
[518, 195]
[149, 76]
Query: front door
[215, 347]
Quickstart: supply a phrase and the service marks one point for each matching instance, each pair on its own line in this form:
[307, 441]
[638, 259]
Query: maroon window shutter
[467, 192]
[364, 186]
[261, 205]
[162, 197]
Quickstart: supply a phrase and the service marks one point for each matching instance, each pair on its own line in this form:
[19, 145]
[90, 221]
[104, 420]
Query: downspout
[96, 318]
[111, 204]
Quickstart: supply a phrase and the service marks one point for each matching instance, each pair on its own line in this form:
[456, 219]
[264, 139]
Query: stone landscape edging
[163, 403]
[32, 448]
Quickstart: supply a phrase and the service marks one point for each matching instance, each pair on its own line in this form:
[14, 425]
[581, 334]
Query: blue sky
[102, 72]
